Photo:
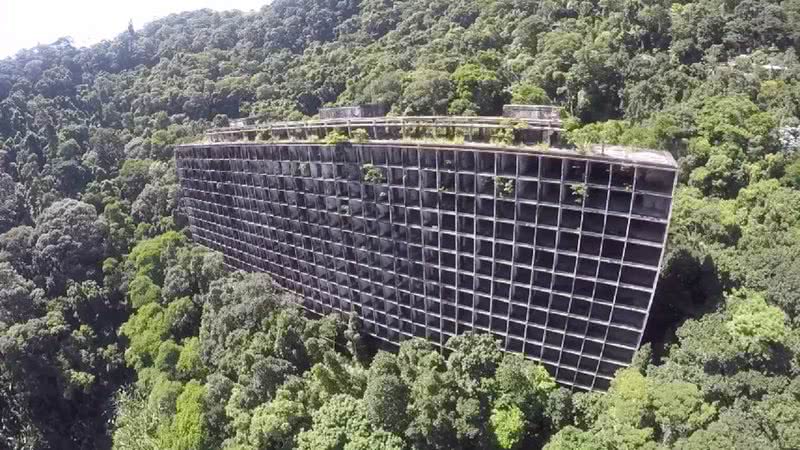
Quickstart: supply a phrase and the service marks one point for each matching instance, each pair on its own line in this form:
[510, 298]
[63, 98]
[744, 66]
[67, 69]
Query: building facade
[554, 252]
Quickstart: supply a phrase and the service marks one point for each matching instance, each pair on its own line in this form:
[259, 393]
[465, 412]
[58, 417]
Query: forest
[117, 332]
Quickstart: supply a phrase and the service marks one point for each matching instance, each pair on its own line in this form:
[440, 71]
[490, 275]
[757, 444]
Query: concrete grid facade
[555, 253]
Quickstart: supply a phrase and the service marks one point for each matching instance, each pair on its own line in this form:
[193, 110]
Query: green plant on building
[580, 192]
[359, 135]
[542, 146]
[503, 136]
[583, 147]
[335, 137]
[372, 174]
[507, 134]
[304, 170]
[505, 187]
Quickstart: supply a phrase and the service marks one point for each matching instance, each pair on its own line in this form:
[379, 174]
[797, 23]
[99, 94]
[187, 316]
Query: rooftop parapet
[466, 128]
[539, 112]
[522, 128]
[352, 112]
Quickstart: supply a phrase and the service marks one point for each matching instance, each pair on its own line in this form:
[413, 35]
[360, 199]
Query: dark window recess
[507, 164]
[551, 168]
[590, 245]
[526, 213]
[527, 190]
[543, 259]
[642, 254]
[542, 279]
[581, 308]
[628, 318]
[529, 166]
[622, 176]
[546, 238]
[651, 206]
[593, 222]
[599, 173]
[565, 263]
[568, 242]
[638, 276]
[570, 218]
[654, 180]
[574, 170]
[647, 231]
[632, 297]
[608, 271]
[596, 198]
[550, 192]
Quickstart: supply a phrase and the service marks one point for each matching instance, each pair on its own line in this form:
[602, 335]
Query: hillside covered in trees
[116, 331]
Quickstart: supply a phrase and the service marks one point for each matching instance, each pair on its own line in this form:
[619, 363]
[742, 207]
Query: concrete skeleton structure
[555, 252]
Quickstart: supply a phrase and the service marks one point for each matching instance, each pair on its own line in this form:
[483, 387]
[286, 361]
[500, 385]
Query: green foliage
[508, 426]
[189, 364]
[136, 423]
[187, 431]
[146, 330]
[505, 187]
[359, 135]
[612, 132]
[479, 87]
[384, 400]
[341, 423]
[11, 203]
[16, 296]
[167, 357]
[69, 245]
[579, 192]
[142, 291]
[680, 409]
[276, 423]
[335, 137]
[528, 94]
[503, 136]
[754, 324]
[372, 174]
[148, 257]
[428, 92]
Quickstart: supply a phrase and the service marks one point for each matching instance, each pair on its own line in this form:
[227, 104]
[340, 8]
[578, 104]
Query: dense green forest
[116, 331]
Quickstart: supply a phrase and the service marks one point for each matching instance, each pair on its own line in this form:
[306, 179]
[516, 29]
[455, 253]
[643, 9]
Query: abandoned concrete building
[554, 251]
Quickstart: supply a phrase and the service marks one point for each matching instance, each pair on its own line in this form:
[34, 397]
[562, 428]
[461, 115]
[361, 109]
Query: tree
[680, 410]
[508, 426]
[480, 86]
[428, 92]
[17, 297]
[341, 423]
[475, 356]
[11, 203]
[16, 247]
[69, 245]
[187, 431]
[528, 94]
[105, 154]
[276, 423]
[133, 177]
[384, 400]
[755, 325]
